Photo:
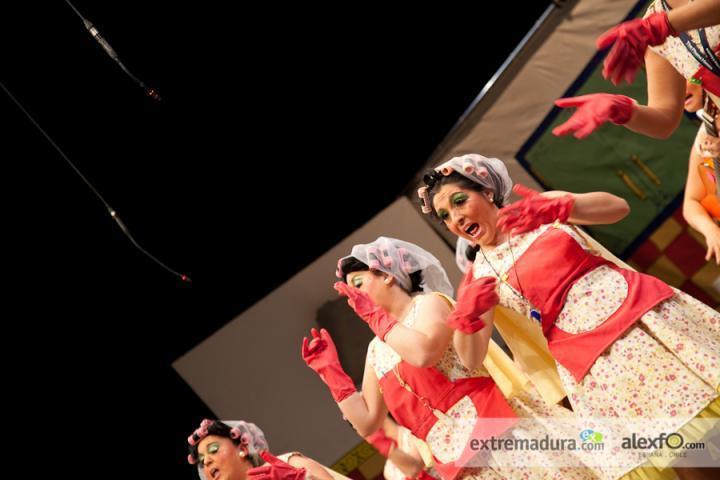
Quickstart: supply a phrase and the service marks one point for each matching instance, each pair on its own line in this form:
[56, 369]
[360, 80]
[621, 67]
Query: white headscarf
[400, 259]
[249, 434]
[490, 173]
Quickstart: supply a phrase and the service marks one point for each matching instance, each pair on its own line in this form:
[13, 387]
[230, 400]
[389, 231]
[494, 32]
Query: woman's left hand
[533, 210]
[275, 469]
[593, 110]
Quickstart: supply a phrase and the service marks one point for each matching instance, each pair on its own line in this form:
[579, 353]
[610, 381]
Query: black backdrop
[221, 178]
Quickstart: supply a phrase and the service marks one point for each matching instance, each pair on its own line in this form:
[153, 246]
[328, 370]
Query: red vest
[441, 393]
[549, 268]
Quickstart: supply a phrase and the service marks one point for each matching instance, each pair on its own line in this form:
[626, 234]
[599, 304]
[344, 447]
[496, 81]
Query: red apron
[438, 392]
[549, 268]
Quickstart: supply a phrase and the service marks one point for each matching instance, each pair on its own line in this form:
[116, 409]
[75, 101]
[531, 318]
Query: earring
[242, 454]
[490, 197]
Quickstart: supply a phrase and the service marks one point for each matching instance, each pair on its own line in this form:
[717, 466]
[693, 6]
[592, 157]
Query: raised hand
[474, 299]
[533, 210]
[321, 355]
[593, 110]
[379, 320]
[629, 40]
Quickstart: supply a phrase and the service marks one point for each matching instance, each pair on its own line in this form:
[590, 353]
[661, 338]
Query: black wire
[110, 210]
[150, 92]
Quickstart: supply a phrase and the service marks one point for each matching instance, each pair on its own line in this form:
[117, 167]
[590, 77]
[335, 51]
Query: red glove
[533, 210]
[629, 41]
[382, 442]
[380, 321]
[321, 355]
[276, 469]
[592, 111]
[474, 299]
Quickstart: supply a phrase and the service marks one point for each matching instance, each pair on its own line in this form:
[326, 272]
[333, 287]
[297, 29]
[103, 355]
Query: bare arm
[316, 470]
[594, 208]
[697, 14]
[472, 348]
[693, 211]
[366, 409]
[423, 344]
[666, 94]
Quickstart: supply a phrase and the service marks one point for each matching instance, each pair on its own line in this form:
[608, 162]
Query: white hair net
[490, 173]
[400, 259]
[249, 434]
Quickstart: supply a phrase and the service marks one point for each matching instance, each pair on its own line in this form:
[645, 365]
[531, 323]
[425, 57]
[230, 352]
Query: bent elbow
[368, 428]
[623, 209]
[476, 363]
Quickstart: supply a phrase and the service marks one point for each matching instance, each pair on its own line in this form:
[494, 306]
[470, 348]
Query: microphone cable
[111, 211]
[150, 92]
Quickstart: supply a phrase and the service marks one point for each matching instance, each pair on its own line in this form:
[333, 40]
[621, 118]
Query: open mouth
[473, 229]
[214, 473]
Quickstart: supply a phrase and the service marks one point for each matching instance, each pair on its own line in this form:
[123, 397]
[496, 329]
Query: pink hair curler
[468, 166]
[235, 433]
[386, 258]
[482, 172]
[403, 265]
[447, 170]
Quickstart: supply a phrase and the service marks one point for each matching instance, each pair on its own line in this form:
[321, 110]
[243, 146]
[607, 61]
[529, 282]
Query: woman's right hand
[629, 40]
[474, 299]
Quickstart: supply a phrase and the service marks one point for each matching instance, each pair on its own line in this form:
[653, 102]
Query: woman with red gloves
[237, 450]
[626, 345]
[430, 364]
[670, 58]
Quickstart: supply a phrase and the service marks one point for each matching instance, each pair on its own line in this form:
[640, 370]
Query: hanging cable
[150, 92]
[110, 210]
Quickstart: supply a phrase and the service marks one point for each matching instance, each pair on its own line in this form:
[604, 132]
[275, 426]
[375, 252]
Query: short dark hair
[220, 429]
[352, 264]
[434, 180]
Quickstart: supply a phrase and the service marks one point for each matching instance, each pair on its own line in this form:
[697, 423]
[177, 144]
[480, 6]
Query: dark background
[223, 180]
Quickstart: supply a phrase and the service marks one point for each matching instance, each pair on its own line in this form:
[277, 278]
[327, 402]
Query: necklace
[439, 414]
[534, 312]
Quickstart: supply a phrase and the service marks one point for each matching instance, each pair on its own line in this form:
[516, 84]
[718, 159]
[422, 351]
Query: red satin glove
[276, 469]
[380, 321]
[629, 41]
[592, 111]
[321, 355]
[382, 442]
[533, 210]
[474, 299]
